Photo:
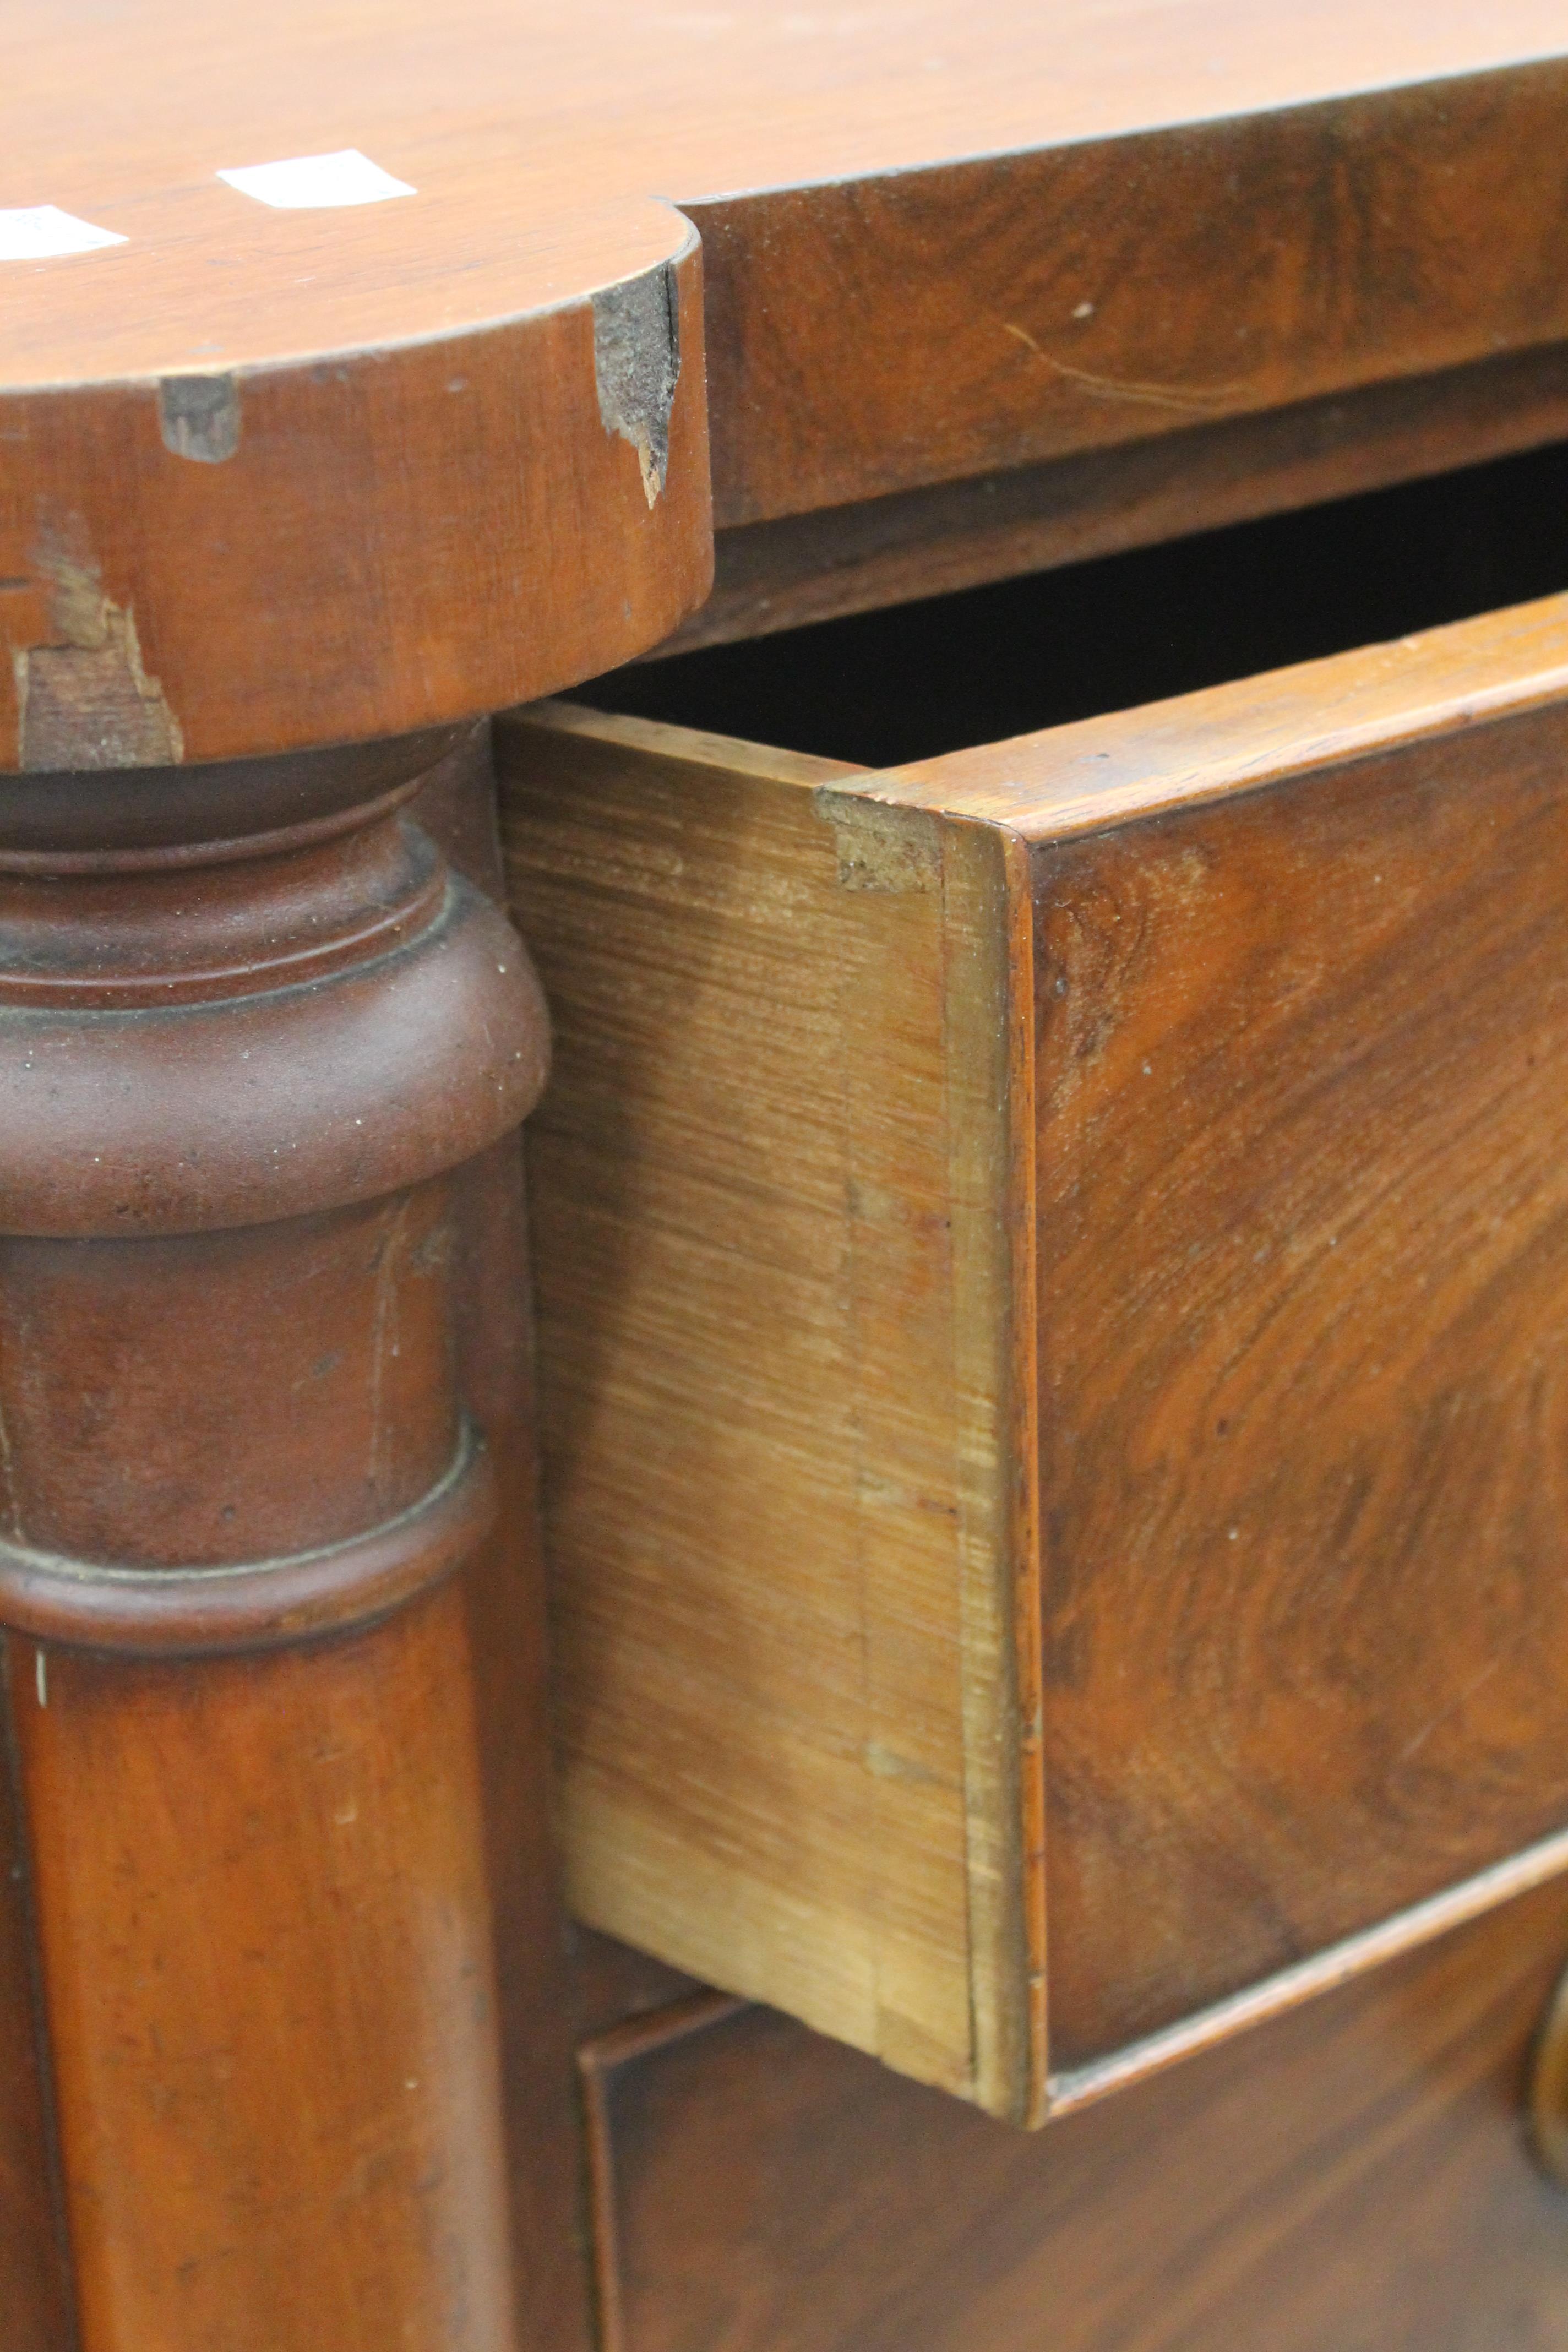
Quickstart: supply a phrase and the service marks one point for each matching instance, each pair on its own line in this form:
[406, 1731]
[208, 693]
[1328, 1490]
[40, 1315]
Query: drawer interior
[910, 683]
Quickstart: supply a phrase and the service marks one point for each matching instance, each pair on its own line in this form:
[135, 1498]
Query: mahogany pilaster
[283, 2056]
[253, 1028]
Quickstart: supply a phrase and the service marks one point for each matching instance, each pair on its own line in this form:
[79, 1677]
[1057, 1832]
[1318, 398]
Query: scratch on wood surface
[8, 1477]
[198, 416]
[384, 1346]
[85, 699]
[1454, 1707]
[637, 365]
[1190, 400]
[885, 1763]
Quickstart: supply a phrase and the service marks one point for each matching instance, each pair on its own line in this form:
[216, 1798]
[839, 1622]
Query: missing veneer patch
[637, 365]
[86, 700]
[880, 848]
[198, 416]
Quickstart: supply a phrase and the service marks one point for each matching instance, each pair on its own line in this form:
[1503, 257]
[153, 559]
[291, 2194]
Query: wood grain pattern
[275, 481]
[944, 242]
[538, 2017]
[34, 2286]
[1263, 988]
[1365, 1297]
[828, 1472]
[1194, 272]
[1356, 2174]
[599, 2059]
[1235, 739]
[229, 2176]
[798, 568]
[1332, 1430]
[825, 1691]
[414, 495]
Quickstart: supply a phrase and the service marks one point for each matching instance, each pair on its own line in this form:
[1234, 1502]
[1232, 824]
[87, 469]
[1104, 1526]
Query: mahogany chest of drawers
[942, 1733]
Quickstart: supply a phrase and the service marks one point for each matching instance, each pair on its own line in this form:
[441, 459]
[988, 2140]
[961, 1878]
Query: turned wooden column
[306, 466]
[237, 1482]
[277, 1932]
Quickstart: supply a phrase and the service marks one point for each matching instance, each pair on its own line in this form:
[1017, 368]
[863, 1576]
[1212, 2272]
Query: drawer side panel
[759, 1446]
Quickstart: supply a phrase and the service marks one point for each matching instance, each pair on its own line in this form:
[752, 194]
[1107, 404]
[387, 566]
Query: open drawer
[1053, 1308]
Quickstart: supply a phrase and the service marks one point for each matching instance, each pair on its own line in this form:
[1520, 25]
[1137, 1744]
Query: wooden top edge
[698, 106]
[610, 250]
[1178, 111]
[206, 288]
[691, 747]
[1235, 738]
[537, 147]
[231, 563]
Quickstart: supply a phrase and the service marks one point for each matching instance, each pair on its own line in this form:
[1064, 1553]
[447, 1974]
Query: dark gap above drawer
[916, 680]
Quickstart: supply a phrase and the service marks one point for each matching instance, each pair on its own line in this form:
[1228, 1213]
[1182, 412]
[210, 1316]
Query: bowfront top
[353, 357]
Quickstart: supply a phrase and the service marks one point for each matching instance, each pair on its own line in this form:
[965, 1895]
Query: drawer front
[1052, 1311]
[1303, 1109]
[1356, 2176]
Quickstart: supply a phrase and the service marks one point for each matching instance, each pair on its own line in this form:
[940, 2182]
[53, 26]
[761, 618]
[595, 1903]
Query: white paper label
[32, 232]
[310, 183]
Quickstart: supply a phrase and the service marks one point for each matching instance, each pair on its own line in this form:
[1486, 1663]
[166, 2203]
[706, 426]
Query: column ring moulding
[290, 494]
